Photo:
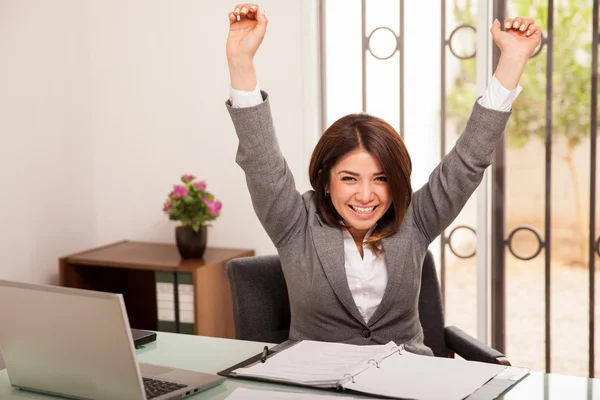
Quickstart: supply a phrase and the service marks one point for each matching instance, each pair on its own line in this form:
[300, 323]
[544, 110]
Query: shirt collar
[347, 232]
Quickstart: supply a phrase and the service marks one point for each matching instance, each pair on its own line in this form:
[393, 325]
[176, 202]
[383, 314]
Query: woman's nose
[364, 193]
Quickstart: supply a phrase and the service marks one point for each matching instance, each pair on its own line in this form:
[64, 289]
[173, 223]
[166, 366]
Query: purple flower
[213, 206]
[200, 185]
[167, 207]
[179, 191]
[188, 178]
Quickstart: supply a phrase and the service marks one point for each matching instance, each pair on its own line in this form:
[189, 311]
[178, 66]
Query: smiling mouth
[363, 210]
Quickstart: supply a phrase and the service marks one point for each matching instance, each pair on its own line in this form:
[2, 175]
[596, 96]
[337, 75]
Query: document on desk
[419, 377]
[383, 370]
[316, 364]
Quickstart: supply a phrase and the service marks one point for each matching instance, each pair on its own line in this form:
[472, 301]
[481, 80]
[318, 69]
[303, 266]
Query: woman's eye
[347, 178]
[381, 179]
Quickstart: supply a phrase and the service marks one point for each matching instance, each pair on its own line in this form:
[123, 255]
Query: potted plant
[194, 207]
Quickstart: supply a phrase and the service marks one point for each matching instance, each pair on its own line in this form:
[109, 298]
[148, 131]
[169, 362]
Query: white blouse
[367, 276]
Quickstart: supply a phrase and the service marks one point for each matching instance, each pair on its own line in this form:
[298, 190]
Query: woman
[352, 249]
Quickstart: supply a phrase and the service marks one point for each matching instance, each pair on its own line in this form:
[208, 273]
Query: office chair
[261, 309]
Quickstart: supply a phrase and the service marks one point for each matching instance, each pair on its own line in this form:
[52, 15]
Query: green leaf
[196, 226]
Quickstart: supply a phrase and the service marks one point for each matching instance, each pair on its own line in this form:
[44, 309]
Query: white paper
[317, 363]
[252, 394]
[419, 377]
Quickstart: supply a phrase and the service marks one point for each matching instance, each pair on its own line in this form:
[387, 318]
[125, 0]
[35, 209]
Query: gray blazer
[312, 253]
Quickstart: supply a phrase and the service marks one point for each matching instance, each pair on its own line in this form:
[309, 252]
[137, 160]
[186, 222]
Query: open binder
[387, 371]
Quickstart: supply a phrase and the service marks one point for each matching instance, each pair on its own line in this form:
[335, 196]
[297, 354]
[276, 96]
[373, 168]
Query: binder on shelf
[175, 302]
[185, 292]
[387, 371]
[165, 301]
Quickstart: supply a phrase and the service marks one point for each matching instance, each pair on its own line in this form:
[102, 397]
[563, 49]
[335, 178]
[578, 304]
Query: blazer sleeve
[453, 181]
[276, 201]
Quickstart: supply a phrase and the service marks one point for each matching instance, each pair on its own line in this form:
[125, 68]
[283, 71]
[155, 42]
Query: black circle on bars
[543, 42]
[458, 28]
[385, 28]
[529, 229]
[450, 242]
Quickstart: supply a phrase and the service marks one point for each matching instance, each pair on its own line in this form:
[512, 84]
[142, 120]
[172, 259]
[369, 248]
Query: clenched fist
[247, 27]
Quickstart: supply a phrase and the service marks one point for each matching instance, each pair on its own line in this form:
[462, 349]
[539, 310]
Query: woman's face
[359, 190]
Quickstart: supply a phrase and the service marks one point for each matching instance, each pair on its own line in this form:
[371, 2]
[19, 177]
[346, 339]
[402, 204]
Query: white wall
[104, 104]
[159, 83]
[47, 202]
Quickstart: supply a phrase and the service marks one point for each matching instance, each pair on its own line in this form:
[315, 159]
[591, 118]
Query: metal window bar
[498, 206]
[366, 40]
[446, 45]
[443, 115]
[594, 246]
[499, 243]
[498, 304]
[548, 175]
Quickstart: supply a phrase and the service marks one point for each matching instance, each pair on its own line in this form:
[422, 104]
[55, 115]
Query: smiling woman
[352, 248]
[363, 165]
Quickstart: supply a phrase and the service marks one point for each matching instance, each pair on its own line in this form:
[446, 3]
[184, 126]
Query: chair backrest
[430, 308]
[261, 308]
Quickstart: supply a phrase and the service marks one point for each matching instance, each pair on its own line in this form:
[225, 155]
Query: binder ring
[400, 349]
[375, 361]
[340, 386]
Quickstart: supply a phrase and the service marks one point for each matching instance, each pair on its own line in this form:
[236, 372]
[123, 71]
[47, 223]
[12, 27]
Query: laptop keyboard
[156, 388]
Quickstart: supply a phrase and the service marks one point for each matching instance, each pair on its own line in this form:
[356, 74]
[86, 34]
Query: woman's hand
[247, 27]
[517, 43]
[520, 36]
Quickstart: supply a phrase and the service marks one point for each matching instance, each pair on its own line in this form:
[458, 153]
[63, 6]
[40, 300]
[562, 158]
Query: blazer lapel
[392, 255]
[329, 244]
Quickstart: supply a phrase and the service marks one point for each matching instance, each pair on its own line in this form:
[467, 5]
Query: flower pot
[189, 243]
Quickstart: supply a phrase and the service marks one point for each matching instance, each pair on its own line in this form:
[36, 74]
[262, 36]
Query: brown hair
[378, 138]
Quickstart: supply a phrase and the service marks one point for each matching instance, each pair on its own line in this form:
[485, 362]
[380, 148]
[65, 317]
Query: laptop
[142, 337]
[77, 343]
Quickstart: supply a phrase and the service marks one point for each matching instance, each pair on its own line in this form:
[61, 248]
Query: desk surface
[211, 355]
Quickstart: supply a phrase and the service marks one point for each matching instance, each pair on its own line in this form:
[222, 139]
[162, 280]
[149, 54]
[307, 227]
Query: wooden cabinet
[131, 268]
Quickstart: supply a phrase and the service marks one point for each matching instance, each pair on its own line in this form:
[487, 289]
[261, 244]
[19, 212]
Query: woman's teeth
[363, 210]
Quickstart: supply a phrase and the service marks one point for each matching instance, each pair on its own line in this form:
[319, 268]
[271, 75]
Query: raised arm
[277, 203]
[454, 180]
